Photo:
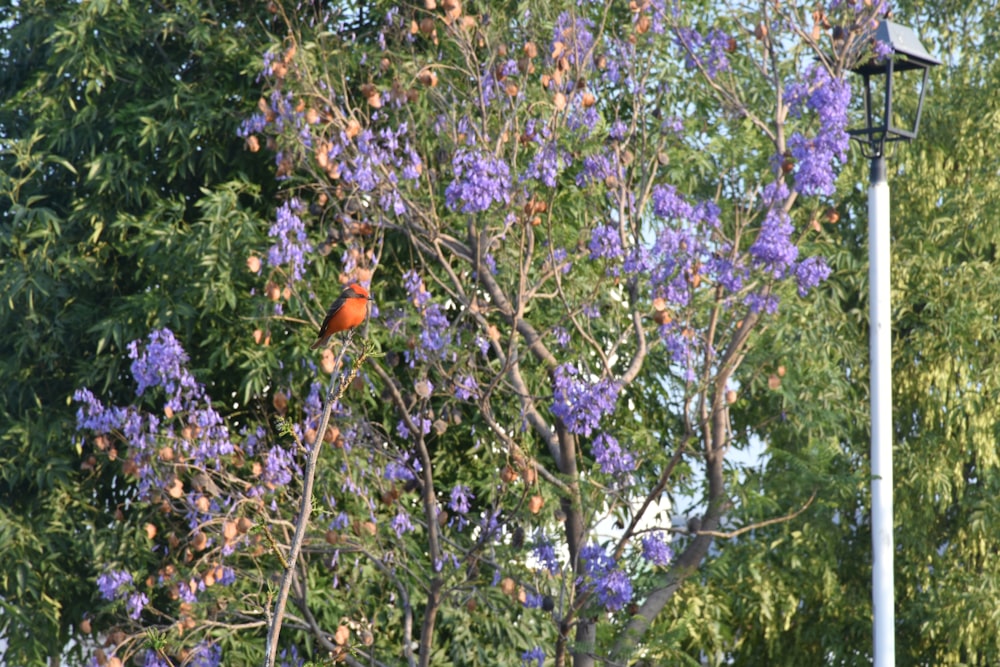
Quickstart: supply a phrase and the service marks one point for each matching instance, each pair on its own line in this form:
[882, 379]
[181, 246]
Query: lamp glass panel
[906, 87]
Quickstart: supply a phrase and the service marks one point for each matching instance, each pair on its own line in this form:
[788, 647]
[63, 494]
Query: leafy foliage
[126, 204]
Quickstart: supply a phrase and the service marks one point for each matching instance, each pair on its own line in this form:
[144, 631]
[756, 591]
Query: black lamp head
[896, 50]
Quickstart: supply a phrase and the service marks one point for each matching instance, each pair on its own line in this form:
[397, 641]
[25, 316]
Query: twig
[759, 524]
[335, 393]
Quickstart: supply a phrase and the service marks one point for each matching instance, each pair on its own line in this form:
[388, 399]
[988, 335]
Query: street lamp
[898, 55]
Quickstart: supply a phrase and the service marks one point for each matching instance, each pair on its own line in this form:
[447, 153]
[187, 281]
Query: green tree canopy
[126, 203]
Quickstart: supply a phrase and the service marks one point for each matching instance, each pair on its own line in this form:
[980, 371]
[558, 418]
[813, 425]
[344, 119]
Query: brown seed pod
[199, 541]
[427, 77]
[508, 475]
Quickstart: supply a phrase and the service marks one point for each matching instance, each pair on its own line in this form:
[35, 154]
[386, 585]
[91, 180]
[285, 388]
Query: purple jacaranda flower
[605, 243]
[279, 467]
[579, 403]
[94, 415]
[153, 658]
[545, 165]
[597, 168]
[614, 590]
[533, 658]
[460, 498]
[670, 204]
[206, 655]
[466, 388]
[817, 156]
[112, 584]
[533, 600]
[706, 51]
[574, 38]
[289, 657]
[611, 457]
[291, 246]
[602, 576]
[135, 603]
[561, 335]
[656, 550]
[401, 523]
[761, 303]
[810, 272]
[481, 180]
[545, 553]
[773, 248]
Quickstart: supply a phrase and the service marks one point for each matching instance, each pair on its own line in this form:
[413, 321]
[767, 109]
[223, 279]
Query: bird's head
[355, 291]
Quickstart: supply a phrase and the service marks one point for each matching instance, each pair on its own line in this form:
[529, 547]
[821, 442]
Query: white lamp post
[898, 51]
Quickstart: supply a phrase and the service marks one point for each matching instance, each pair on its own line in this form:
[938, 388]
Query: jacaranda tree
[574, 218]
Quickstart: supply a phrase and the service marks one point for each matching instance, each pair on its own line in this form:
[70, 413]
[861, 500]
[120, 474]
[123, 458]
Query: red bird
[347, 312]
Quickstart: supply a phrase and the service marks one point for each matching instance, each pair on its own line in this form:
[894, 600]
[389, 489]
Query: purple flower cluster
[117, 584]
[435, 331]
[602, 576]
[375, 161]
[656, 550]
[134, 604]
[658, 15]
[561, 335]
[574, 39]
[113, 584]
[535, 656]
[679, 252]
[466, 388]
[291, 245]
[605, 243]
[460, 499]
[289, 657]
[481, 180]
[580, 118]
[682, 349]
[94, 416]
[545, 165]
[581, 404]
[422, 423]
[811, 272]
[545, 553]
[206, 655]
[403, 468]
[279, 467]
[611, 457]
[160, 363]
[153, 658]
[401, 523]
[706, 51]
[597, 168]
[816, 157]
[773, 248]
